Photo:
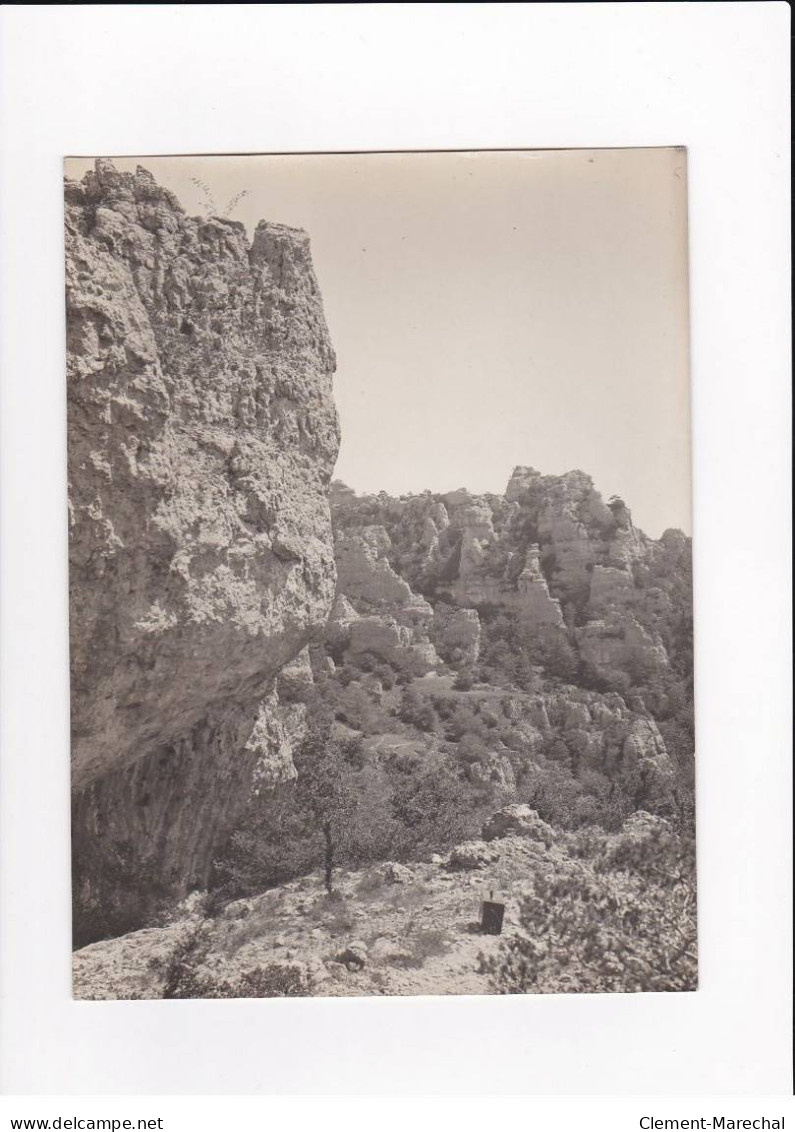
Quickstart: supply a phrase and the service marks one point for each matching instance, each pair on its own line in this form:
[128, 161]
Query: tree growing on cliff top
[209, 207]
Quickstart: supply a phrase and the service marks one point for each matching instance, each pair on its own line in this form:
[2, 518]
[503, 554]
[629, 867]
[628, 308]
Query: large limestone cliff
[202, 437]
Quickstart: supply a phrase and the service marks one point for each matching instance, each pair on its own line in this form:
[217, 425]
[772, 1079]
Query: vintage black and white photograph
[381, 625]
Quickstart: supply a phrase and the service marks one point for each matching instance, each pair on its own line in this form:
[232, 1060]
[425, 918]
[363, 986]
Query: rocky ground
[397, 929]
[388, 930]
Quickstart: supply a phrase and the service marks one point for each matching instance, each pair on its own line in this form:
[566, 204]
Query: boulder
[391, 951]
[296, 678]
[521, 821]
[493, 770]
[353, 956]
[382, 636]
[138, 965]
[471, 855]
[618, 647]
[394, 873]
[642, 824]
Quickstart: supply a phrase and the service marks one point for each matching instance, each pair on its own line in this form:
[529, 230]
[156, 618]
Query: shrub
[553, 793]
[464, 720]
[434, 808]
[472, 748]
[568, 802]
[417, 711]
[464, 680]
[386, 675]
[424, 944]
[332, 910]
[358, 710]
[550, 648]
[274, 980]
[624, 921]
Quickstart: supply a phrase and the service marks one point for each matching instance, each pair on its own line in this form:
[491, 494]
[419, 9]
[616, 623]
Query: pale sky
[490, 309]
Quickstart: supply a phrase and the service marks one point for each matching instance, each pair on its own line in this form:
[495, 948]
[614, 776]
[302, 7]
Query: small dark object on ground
[491, 916]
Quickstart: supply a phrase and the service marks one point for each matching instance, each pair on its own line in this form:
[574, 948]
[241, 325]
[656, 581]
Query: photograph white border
[132, 79]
